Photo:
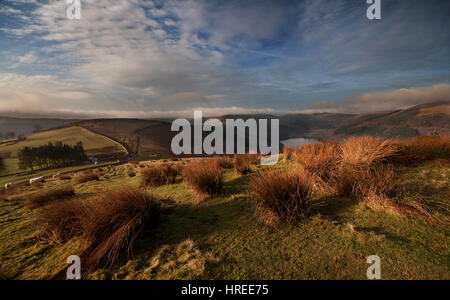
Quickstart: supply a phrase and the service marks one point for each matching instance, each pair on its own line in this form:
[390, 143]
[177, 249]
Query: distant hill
[153, 137]
[26, 126]
[426, 119]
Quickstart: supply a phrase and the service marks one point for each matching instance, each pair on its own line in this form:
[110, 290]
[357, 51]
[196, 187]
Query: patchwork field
[222, 237]
[94, 144]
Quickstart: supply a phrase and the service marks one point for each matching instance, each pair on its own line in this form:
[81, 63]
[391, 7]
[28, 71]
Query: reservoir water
[297, 142]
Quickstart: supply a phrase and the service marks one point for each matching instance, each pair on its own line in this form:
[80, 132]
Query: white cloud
[26, 59]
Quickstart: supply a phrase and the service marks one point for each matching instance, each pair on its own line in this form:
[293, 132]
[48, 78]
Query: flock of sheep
[32, 181]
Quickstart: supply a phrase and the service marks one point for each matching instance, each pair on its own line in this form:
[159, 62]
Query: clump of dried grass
[159, 175]
[357, 152]
[112, 222]
[224, 162]
[45, 197]
[243, 162]
[205, 179]
[375, 187]
[59, 221]
[289, 152]
[322, 161]
[86, 176]
[282, 197]
[424, 148]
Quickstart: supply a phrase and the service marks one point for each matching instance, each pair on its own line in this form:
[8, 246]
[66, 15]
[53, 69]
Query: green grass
[333, 244]
[94, 145]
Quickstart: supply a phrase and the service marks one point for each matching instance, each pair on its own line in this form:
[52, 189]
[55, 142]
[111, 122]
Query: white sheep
[9, 185]
[37, 180]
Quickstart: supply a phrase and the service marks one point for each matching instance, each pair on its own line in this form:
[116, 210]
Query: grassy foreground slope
[94, 145]
[333, 244]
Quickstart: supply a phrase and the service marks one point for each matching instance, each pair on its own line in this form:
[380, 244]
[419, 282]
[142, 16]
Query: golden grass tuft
[43, 198]
[289, 152]
[86, 176]
[59, 221]
[243, 163]
[205, 179]
[320, 160]
[112, 222]
[224, 162]
[420, 149]
[359, 152]
[159, 175]
[282, 197]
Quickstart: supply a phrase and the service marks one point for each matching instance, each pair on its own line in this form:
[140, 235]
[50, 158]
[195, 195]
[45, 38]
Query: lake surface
[297, 142]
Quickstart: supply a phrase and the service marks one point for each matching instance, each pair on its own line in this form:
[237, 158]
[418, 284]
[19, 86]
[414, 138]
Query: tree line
[51, 156]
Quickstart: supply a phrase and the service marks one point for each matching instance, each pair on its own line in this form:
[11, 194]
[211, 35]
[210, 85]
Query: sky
[152, 58]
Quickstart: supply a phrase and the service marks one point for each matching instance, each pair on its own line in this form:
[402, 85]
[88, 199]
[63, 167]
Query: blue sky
[145, 58]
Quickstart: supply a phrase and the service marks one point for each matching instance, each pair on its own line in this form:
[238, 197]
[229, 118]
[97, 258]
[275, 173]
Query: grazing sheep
[9, 185]
[37, 180]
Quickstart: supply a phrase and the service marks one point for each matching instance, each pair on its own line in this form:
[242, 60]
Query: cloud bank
[150, 58]
[388, 101]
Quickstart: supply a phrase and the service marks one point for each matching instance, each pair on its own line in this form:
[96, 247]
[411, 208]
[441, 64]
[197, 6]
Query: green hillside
[94, 145]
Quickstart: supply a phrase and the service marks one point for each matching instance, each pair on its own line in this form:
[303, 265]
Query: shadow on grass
[379, 231]
[333, 207]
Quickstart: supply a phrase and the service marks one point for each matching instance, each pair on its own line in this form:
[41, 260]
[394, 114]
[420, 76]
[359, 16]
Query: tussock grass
[288, 152]
[282, 197]
[243, 163]
[224, 162]
[375, 186]
[359, 183]
[205, 179]
[59, 221]
[159, 175]
[357, 152]
[322, 161]
[86, 176]
[45, 197]
[359, 168]
[108, 223]
[424, 148]
[65, 177]
[112, 222]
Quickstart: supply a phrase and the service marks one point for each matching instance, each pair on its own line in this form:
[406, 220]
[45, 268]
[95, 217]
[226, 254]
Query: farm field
[94, 145]
[222, 238]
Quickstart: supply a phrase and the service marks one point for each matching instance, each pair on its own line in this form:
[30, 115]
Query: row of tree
[51, 156]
